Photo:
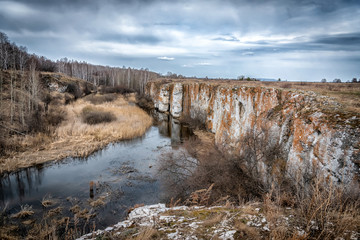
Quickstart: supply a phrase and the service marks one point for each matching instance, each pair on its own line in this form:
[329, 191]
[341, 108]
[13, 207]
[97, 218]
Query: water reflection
[172, 127]
[124, 172]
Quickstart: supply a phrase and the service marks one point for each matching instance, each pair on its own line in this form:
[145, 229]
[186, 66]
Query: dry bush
[323, 209]
[35, 122]
[327, 212]
[99, 99]
[74, 89]
[145, 102]
[233, 177]
[92, 115]
[3, 146]
[200, 197]
[55, 116]
[116, 89]
[68, 98]
[42, 122]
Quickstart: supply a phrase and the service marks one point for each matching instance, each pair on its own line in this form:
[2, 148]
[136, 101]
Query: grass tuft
[24, 212]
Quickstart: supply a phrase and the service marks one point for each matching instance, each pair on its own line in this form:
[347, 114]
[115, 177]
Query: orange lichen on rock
[296, 119]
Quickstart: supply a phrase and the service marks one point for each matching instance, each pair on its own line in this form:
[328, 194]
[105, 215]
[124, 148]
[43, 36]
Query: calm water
[124, 174]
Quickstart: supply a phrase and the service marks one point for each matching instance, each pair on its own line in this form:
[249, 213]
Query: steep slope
[312, 130]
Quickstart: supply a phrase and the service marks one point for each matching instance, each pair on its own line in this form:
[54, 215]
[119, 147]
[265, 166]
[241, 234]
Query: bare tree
[4, 52]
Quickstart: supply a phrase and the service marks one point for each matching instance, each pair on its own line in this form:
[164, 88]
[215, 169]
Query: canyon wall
[309, 128]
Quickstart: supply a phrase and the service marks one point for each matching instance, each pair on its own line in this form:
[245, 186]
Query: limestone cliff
[310, 128]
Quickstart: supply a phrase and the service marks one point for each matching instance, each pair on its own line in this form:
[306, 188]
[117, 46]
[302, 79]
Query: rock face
[312, 132]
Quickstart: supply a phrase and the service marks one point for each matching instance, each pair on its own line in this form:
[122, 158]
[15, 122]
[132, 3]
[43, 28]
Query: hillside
[24, 93]
[50, 116]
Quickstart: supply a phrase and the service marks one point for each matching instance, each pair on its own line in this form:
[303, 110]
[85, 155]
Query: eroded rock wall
[311, 138]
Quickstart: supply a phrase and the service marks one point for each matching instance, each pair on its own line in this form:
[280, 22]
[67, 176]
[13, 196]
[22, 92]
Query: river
[104, 185]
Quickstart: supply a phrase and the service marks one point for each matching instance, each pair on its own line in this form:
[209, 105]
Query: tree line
[17, 58]
[338, 80]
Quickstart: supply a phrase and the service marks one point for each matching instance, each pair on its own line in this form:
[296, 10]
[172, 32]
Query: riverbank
[74, 138]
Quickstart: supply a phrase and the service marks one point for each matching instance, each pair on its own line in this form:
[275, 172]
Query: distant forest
[17, 58]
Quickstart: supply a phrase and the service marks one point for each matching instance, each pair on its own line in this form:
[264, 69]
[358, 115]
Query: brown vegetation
[100, 98]
[92, 115]
[324, 210]
[75, 138]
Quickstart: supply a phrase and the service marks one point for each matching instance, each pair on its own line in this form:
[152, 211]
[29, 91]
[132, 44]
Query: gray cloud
[293, 39]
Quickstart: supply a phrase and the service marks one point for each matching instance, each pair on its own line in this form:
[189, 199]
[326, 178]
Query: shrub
[74, 90]
[192, 170]
[145, 102]
[91, 115]
[68, 98]
[116, 89]
[40, 121]
[35, 122]
[99, 99]
[55, 116]
[87, 89]
[324, 209]
[237, 176]
[3, 147]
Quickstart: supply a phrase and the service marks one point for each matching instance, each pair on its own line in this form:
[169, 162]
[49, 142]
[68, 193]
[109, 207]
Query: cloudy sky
[289, 39]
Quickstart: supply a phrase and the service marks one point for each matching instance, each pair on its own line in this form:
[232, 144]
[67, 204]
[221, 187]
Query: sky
[304, 40]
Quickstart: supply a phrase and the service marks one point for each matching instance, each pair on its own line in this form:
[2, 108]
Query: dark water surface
[124, 174]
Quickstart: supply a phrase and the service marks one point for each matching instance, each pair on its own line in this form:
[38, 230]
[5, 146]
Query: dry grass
[327, 212]
[98, 202]
[213, 220]
[77, 139]
[245, 232]
[25, 211]
[147, 234]
[47, 201]
[54, 212]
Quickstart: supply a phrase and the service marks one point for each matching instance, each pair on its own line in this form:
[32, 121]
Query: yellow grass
[73, 138]
[24, 212]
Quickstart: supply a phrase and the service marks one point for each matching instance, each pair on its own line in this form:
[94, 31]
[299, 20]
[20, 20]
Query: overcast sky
[289, 39]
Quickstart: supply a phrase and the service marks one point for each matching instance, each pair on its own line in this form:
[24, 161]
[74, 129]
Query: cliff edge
[314, 133]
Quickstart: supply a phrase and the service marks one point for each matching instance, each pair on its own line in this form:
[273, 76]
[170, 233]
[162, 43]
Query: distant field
[348, 94]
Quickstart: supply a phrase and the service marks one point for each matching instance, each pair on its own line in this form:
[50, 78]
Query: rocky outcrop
[311, 129]
[250, 221]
